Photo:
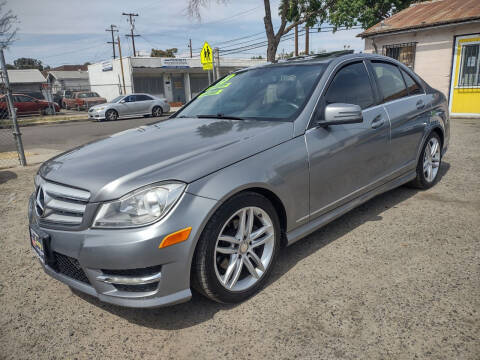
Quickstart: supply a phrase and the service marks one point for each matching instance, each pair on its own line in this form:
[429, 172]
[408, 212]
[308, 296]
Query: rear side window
[412, 86]
[143, 98]
[351, 85]
[389, 81]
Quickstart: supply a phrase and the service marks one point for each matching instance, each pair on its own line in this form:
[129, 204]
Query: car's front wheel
[429, 163]
[111, 115]
[237, 249]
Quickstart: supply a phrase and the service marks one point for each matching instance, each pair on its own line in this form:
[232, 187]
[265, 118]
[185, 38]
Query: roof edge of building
[365, 35]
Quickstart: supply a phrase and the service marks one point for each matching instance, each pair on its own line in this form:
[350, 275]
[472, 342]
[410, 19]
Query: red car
[26, 105]
[82, 100]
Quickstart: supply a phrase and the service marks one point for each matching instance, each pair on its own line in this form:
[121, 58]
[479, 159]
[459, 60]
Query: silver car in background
[260, 159]
[129, 106]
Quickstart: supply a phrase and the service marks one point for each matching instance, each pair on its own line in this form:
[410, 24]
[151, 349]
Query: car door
[405, 102]
[27, 105]
[350, 159]
[144, 104]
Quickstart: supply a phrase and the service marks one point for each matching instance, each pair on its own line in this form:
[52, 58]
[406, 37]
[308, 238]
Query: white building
[176, 79]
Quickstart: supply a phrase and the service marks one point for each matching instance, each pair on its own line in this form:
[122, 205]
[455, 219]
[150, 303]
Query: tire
[429, 164]
[48, 111]
[214, 258]
[111, 115]
[79, 108]
[157, 111]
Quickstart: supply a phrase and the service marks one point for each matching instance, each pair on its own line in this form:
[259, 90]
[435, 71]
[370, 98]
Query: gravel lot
[397, 278]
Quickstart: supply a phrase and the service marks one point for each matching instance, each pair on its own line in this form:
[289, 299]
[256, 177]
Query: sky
[61, 32]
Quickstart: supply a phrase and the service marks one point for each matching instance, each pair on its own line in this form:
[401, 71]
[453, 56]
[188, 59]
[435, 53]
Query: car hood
[182, 149]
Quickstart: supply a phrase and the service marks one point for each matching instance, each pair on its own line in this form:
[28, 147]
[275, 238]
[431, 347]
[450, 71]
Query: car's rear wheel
[157, 111]
[429, 163]
[237, 249]
[111, 115]
[48, 111]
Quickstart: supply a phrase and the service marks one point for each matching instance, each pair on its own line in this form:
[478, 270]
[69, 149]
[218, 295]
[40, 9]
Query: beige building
[440, 41]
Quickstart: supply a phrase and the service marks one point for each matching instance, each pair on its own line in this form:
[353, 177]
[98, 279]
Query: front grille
[137, 288]
[60, 204]
[70, 267]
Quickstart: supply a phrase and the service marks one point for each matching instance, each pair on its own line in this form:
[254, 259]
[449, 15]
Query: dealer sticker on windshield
[218, 87]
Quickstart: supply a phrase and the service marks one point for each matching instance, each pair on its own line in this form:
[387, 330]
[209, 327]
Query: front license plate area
[38, 241]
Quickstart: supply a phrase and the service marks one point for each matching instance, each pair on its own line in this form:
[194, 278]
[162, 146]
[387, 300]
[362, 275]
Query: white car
[129, 106]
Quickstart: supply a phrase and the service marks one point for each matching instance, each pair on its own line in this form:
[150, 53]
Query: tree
[28, 63]
[259, 57]
[339, 13]
[7, 29]
[366, 13]
[164, 53]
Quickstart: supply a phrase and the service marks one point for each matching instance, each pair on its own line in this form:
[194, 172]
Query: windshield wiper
[220, 116]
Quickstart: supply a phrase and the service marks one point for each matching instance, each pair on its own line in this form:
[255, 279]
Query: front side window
[470, 66]
[389, 81]
[351, 85]
[275, 92]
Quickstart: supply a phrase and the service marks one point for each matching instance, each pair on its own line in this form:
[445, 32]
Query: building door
[178, 88]
[465, 83]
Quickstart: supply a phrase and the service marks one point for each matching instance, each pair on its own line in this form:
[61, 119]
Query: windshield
[268, 93]
[87, 95]
[118, 98]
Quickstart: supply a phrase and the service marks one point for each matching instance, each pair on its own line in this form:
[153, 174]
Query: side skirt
[304, 230]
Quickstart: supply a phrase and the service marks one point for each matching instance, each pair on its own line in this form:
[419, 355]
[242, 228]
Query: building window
[405, 53]
[470, 66]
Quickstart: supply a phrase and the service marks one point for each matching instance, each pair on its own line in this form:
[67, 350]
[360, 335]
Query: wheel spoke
[249, 225]
[226, 250]
[241, 224]
[261, 241]
[257, 233]
[434, 148]
[228, 273]
[238, 271]
[256, 260]
[229, 239]
[250, 267]
[435, 163]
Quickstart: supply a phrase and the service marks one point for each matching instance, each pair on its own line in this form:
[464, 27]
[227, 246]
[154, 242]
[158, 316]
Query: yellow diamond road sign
[206, 55]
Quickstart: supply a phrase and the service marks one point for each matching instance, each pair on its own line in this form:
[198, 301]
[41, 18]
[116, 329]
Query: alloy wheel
[244, 249]
[431, 159]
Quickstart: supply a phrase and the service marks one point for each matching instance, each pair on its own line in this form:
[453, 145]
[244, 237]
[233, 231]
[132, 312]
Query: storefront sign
[174, 63]
[107, 66]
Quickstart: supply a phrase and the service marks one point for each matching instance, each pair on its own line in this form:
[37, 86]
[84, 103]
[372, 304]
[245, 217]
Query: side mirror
[122, 101]
[339, 113]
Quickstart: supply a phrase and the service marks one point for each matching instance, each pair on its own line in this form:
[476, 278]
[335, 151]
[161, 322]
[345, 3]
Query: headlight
[142, 207]
[100, 108]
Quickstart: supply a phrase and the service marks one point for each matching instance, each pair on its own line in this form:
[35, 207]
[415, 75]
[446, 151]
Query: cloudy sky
[71, 31]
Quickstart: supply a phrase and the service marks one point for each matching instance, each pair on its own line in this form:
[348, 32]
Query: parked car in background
[35, 94]
[129, 105]
[60, 95]
[27, 105]
[83, 100]
[260, 159]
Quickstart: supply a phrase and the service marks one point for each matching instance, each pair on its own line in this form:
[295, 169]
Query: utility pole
[190, 46]
[113, 42]
[121, 64]
[131, 20]
[307, 40]
[216, 54]
[13, 113]
[296, 40]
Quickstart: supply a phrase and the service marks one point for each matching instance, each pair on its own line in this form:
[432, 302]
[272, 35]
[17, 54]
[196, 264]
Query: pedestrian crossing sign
[206, 56]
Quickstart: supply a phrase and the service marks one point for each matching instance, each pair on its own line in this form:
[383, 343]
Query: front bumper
[96, 114]
[111, 261]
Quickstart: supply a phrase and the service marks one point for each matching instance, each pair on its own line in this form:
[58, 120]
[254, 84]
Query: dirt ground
[397, 278]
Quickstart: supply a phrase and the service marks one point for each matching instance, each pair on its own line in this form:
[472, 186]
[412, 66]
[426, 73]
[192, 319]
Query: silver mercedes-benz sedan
[260, 159]
[129, 106]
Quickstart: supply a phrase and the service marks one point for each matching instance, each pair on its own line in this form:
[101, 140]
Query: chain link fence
[8, 149]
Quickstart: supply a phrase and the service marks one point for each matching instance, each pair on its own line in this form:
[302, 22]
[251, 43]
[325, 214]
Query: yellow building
[440, 41]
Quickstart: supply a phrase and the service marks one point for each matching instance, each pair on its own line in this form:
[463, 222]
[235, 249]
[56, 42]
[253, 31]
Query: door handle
[377, 122]
[420, 104]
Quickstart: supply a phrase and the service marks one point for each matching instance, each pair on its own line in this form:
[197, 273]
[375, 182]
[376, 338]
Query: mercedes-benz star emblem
[40, 202]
